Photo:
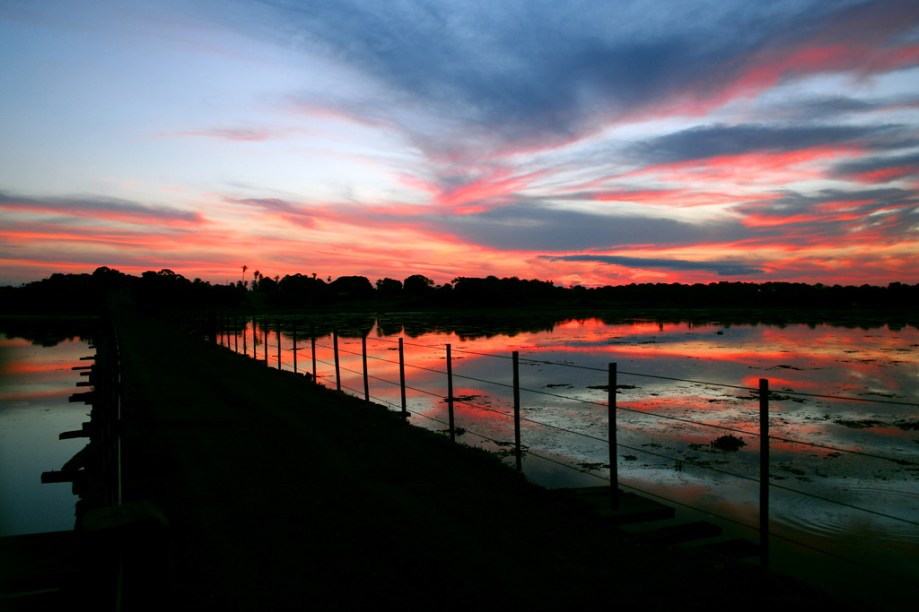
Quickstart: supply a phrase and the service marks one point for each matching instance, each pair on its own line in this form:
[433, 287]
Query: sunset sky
[583, 142]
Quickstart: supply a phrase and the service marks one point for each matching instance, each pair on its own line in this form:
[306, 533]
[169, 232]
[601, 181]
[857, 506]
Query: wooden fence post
[364, 361]
[313, 351]
[402, 376]
[236, 334]
[294, 340]
[613, 458]
[517, 454]
[212, 326]
[337, 369]
[764, 471]
[267, 332]
[450, 394]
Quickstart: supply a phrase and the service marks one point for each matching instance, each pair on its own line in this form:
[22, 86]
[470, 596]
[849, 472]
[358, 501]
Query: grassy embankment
[282, 494]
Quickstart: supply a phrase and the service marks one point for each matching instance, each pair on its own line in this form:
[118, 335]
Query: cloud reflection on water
[822, 448]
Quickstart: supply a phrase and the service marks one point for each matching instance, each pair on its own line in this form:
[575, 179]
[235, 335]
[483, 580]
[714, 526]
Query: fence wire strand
[753, 391]
[267, 346]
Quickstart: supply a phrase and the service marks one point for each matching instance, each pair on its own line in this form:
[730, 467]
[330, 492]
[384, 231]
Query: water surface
[35, 384]
[843, 415]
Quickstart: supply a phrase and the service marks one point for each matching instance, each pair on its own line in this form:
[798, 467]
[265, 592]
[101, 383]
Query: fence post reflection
[613, 463]
[764, 471]
[364, 361]
[402, 376]
[516, 361]
[450, 393]
[427, 385]
[313, 350]
[337, 367]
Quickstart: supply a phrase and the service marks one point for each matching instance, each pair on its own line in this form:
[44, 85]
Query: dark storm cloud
[721, 140]
[823, 107]
[529, 227]
[865, 201]
[879, 169]
[536, 69]
[829, 215]
[721, 268]
[835, 216]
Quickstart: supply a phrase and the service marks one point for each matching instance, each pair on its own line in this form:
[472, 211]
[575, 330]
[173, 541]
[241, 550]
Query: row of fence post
[612, 383]
[96, 471]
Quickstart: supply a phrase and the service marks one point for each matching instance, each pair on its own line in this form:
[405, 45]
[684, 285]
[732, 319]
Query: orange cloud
[757, 167]
[496, 186]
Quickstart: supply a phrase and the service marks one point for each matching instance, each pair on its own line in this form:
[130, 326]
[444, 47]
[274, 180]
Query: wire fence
[335, 361]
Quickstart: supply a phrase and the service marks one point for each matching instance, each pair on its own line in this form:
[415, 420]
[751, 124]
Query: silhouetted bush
[165, 288]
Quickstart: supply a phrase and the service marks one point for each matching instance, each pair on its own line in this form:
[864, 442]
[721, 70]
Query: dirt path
[283, 495]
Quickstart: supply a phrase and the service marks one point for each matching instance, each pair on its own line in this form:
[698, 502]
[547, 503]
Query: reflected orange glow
[20, 368]
[468, 403]
[34, 395]
[683, 400]
[678, 407]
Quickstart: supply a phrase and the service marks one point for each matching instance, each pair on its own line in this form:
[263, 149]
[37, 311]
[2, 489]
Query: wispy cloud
[525, 72]
[588, 141]
[530, 226]
[100, 207]
[719, 140]
[288, 211]
[880, 169]
[721, 268]
[837, 217]
[237, 134]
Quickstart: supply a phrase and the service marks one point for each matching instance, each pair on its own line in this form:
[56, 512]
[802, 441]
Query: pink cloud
[773, 167]
[496, 186]
[104, 209]
[231, 134]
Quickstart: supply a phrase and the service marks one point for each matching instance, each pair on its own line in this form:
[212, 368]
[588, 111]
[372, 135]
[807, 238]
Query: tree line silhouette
[165, 288]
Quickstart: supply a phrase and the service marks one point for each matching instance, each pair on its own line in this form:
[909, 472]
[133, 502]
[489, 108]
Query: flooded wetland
[843, 413]
[36, 381]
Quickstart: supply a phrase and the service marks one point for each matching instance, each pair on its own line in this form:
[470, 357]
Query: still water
[844, 414]
[844, 417]
[36, 381]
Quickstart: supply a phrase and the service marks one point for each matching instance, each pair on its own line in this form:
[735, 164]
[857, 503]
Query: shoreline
[179, 389]
[401, 498]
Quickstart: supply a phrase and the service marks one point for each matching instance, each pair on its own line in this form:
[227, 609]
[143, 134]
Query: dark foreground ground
[270, 493]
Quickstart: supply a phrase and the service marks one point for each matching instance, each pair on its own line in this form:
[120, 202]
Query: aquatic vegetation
[728, 443]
